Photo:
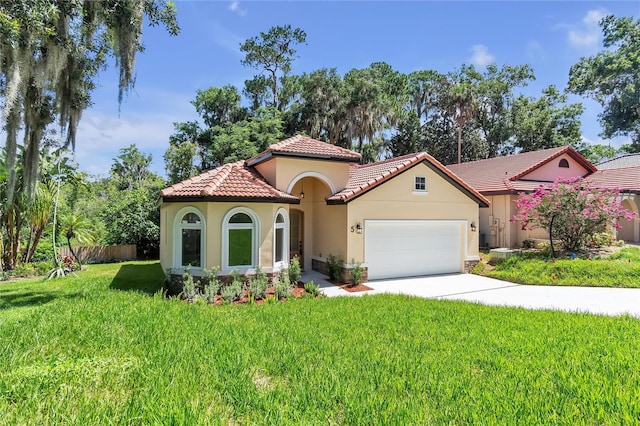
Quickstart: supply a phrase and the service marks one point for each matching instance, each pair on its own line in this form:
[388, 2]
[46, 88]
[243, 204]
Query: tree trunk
[459, 143]
[553, 251]
[73, 253]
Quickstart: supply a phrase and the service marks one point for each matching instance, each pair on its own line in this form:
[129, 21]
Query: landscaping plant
[294, 269]
[258, 284]
[356, 273]
[335, 264]
[571, 210]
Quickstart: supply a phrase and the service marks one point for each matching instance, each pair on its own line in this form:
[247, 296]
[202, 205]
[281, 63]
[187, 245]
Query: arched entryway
[629, 230]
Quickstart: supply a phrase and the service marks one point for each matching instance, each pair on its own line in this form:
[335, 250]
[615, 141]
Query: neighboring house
[405, 216]
[502, 179]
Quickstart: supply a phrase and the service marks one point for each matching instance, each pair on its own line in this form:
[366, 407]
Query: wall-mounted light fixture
[357, 228]
[473, 227]
[302, 188]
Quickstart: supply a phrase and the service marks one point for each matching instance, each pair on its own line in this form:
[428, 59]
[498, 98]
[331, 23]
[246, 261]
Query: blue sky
[411, 35]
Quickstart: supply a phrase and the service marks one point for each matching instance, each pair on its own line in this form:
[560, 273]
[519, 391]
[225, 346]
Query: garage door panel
[411, 248]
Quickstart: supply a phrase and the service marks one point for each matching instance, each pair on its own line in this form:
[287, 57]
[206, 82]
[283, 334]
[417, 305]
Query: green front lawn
[100, 348]
[622, 269]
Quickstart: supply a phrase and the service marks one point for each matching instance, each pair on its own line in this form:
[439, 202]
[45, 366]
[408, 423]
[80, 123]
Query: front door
[296, 235]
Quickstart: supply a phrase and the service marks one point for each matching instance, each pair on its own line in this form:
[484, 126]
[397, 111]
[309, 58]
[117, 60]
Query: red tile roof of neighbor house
[302, 146]
[626, 179]
[228, 182]
[502, 174]
[363, 178]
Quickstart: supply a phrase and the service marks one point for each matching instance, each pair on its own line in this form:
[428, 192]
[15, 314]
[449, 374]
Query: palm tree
[460, 104]
[76, 227]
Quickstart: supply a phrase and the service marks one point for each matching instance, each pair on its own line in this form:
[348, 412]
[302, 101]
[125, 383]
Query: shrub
[213, 285]
[190, 291]
[529, 243]
[232, 291]
[294, 269]
[312, 288]
[282, 286]
[43, 267]
[335, 264]
[24, 270]
[602, 239]
[479, 268]
[258, 284]
[356, 272]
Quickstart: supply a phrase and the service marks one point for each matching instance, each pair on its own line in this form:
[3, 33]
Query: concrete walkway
[489, 291]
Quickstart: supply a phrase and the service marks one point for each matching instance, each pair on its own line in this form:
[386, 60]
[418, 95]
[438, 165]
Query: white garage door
[406, 248]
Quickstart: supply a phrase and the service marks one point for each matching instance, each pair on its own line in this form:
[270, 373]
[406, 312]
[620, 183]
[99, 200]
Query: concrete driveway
[489, 291]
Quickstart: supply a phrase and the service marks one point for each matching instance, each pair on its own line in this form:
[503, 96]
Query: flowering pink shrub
[571, 210]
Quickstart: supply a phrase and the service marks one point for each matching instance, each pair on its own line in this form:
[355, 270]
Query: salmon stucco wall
[396, 199]
[552, 170]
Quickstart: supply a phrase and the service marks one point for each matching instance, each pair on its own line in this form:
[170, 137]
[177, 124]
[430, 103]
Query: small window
[420, 184]
[564, 163]
[281, 249]
[239, 239]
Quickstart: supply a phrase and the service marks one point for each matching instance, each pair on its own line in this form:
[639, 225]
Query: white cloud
[148, 125]
[226, 39]
[588, 33]
[480, 55]
[235, 7]
[535, 51]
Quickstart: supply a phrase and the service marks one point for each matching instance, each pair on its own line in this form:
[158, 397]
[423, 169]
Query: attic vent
[564, 163]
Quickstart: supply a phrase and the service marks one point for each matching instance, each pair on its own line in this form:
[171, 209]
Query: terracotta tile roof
[501, 174]
[363, 178]
[302, 146]
[628, 160]
[626, 179]
[228, 182]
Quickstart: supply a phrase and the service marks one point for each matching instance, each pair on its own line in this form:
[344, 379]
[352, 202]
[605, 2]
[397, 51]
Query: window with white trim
[189, 236]
[280, 239]
[240, 239]
[420, 184]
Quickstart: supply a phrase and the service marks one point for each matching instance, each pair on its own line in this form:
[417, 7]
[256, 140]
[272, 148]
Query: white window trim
[415, 181]
[178, 226]
[255, 250]
[285, 246]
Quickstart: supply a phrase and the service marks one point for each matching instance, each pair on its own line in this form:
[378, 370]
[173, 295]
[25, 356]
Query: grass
[106, 348]
[622, 269]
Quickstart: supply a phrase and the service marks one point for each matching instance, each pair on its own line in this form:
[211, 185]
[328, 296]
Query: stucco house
[502, 179]
[405, 216]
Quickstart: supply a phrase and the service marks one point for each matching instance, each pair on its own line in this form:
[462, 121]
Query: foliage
[293, 273]
[335, 266]
[258, 284]
[602, 239]
[94, 340]
[273, 52]
[571, 210]
[190, 291]
[546, 122]
[479, 268]
[131, 168]
[232, 291]
[51, 55]
[77, 227]
[611, 78]
[312, 288]
[528, 243]
[211, 290]
[620, 270]
[282, 286]
[355, 274]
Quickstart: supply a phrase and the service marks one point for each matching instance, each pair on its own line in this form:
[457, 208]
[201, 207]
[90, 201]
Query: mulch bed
[351, 288]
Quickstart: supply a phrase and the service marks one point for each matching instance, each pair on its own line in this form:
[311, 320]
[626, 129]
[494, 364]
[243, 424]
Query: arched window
[240, 239]
[281, 239]
[564, 163]
[189, 239]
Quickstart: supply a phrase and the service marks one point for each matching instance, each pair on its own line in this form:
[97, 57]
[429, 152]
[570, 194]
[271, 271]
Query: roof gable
[364, 178]
[507, 174]
[305, 147]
